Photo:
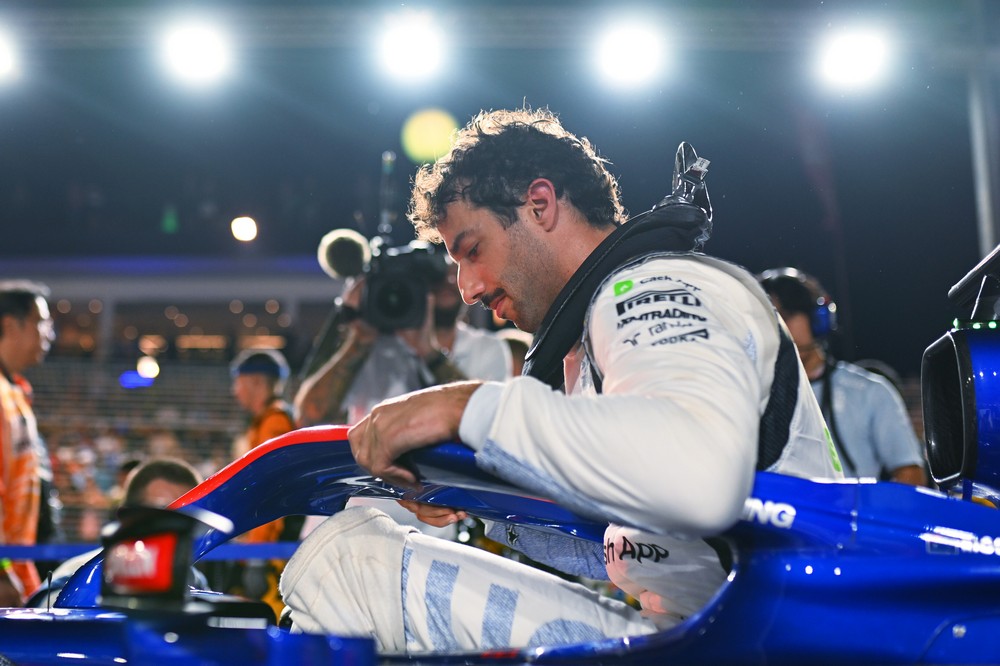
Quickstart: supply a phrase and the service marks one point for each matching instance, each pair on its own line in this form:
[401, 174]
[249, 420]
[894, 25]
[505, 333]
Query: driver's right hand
[433, 514]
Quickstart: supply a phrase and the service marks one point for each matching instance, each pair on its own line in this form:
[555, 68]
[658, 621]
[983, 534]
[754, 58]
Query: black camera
[397, 282]
[397, 279]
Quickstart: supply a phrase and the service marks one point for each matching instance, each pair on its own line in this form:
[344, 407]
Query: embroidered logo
[676, 296]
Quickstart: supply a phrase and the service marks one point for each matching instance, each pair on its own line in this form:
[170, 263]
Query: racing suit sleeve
[670, 444]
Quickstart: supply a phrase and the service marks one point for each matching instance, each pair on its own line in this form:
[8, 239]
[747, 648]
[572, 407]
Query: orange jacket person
[25, 337]
[258, 378]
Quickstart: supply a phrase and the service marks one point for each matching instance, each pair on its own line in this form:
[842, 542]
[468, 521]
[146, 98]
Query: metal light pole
[983, 135]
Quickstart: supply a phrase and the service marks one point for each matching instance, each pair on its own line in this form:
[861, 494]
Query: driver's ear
[542, 203]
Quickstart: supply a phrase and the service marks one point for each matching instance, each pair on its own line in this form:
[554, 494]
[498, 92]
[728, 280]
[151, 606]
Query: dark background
[96, 145]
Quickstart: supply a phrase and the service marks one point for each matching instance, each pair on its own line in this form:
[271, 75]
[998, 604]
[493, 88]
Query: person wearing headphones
[865, 413]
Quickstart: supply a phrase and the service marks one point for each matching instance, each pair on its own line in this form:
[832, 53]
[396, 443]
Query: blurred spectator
[865, 413]
[116, 495]
[258, 379]
[26, 335]
[154, 483]
[158, 482]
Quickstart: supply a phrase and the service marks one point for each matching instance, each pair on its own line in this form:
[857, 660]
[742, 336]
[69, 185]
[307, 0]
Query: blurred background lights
[198, 54]
[244, 229]
[630, 54]
[412, 47]
[854, 60]
[147, 367]
[8, 59]
[427, 134]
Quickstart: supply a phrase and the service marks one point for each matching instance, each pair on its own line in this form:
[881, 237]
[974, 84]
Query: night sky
[95, 146]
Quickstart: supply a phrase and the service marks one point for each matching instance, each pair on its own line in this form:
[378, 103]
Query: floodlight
[196, 53]
[412, 47]
[855, 59]
[244, 229]
[9, 68]
[630, 54]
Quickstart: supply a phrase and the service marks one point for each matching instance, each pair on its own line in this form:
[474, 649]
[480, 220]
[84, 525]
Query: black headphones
[800, 292]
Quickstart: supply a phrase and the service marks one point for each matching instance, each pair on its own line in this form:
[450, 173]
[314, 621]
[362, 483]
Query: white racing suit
[685, 348]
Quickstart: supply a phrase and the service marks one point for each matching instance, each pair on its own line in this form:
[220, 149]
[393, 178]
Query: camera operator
[370, 365]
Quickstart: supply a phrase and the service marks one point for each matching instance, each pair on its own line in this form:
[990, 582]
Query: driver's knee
[346, 577]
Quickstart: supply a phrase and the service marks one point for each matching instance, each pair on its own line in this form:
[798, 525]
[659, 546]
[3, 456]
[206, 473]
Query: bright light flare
[630, 54]
[244, 229]
[427, 134]
[9, 67]
[147, 367]
[196, 53]
[854, 60]
[412, 47]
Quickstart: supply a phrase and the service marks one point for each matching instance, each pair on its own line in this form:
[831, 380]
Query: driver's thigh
[346, 578]
[456, 597]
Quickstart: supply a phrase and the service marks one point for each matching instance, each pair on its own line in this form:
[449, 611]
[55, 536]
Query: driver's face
[508, 269]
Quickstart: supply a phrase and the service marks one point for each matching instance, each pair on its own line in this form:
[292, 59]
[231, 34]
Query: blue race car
[854, 571]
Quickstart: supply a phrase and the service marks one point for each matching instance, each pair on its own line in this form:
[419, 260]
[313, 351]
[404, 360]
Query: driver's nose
[470, 284]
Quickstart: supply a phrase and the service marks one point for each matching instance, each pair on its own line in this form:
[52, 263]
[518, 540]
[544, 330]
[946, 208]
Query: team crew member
[866, 414]
[258, 380]
[649, 399]
[25, 337]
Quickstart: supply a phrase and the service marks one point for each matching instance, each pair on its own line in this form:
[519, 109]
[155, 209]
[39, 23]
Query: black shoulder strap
[670, 229]
[776, 421]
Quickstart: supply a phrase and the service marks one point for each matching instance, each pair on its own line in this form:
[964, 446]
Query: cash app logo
[622, 287]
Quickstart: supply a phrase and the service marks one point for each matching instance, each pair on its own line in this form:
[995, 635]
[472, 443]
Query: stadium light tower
[854, 60]
[630, 54]
[412, 46]
[196, 53]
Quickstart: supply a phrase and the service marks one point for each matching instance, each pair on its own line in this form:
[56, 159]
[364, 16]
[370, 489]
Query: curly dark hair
[494, 159]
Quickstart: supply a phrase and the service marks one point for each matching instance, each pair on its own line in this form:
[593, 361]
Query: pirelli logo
[676, 296]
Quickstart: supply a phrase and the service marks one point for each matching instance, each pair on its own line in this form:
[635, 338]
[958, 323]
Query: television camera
[397, 278]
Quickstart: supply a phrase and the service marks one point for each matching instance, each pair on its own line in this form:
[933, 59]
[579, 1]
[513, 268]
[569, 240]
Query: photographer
[370, 365]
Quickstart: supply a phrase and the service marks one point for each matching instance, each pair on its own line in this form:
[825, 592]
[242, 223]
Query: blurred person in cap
[26, 334]
[259, 377]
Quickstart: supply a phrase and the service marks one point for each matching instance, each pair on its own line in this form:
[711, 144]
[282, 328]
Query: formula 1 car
[823, 572]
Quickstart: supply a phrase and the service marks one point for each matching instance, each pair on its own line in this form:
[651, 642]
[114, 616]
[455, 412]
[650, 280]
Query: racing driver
[659, 381]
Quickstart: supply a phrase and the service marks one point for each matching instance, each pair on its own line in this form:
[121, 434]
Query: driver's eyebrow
[456, 245]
